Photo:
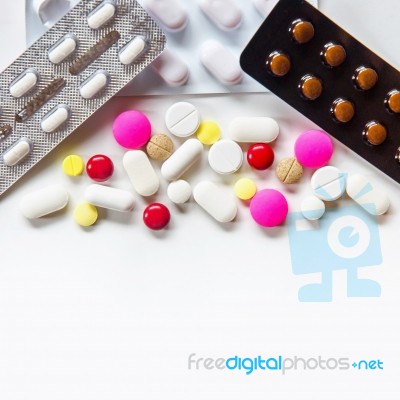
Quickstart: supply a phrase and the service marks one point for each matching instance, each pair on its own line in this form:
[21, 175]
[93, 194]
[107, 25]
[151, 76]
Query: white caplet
[215, 201]
[110, 198]
[24, 83]
[62, 49]
[17, 152]
[220, 62]
[371, 198]
[225, 14]
[171, 68]
[140, 172]
[101, 14]
[44, 201]
[94, 84]
[168, 13]
[182, 159]
[55, 118]
[253, 130]
[132, 50]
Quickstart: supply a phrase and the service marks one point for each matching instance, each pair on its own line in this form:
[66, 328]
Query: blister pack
[197, 31]
[69, 73]
[330, 77]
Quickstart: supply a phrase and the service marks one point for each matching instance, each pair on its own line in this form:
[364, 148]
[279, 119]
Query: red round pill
[156, 216]
[99, 168]
[260, 156]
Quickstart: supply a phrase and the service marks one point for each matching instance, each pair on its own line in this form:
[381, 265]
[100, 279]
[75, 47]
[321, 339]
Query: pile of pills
[268, 207]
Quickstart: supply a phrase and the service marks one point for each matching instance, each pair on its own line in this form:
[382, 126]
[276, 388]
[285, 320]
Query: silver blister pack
[66, 75]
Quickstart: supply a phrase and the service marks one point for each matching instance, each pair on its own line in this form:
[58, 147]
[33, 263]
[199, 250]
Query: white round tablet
[328, 183]
[182, 119]
[179, 192]
[225, 157]
[312, 208]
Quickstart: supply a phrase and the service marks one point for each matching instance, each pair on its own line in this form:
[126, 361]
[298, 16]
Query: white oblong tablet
[110, 198]
[168, 13]
[101, 14]
[224, 13]
[171, 68]
[312, 208]
[179, 192]
[44, 201]
[62, 49]
[94, 84]
[17, 152]
[368, 196]
[264, 7]
[182, 119]
[220, 62]
[182, 159]
[225, 157]
[24, 83]
[140, 172]
[215, 201]
[328, 183]
[253, 130]
[55, 118]
[132, 50]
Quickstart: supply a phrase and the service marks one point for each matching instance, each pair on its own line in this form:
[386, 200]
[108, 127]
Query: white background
[113, 312]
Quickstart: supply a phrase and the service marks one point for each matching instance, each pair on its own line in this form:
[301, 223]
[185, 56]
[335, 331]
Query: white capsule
[132, 50]
[182, 159]
[17, 152]
[179, 192]
[224, 13]
[24, 83]
[253, 130]
[171, 68]
[221, 62]
[101, 14]
[312, 208]
[182, 119]
[44, 201]
[110, 198]
[141, 173]
[225, 157]
[215, 201]
[55, 118]
[168, 13]
[328, 183]
[94, 84]
[62, 49]
[372, 199]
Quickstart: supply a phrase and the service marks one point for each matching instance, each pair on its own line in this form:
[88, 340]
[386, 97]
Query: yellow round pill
[209, 132]
[245, 189]
[85, 214]
[73, 165]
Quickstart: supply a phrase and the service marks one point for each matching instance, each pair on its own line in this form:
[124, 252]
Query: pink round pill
[132, 129]
[313, 149]
[269, 208]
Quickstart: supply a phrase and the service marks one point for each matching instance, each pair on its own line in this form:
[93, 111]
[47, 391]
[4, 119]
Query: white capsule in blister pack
[94, 84]
[132, 50]
[24, 83]
[17, 152]
[55, 118]
[101, 14]
[62, 49]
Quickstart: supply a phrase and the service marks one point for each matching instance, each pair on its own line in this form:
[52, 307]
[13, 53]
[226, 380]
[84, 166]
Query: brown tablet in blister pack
[333, 79]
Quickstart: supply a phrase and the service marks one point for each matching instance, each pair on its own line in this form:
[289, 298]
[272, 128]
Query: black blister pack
[373, 122]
